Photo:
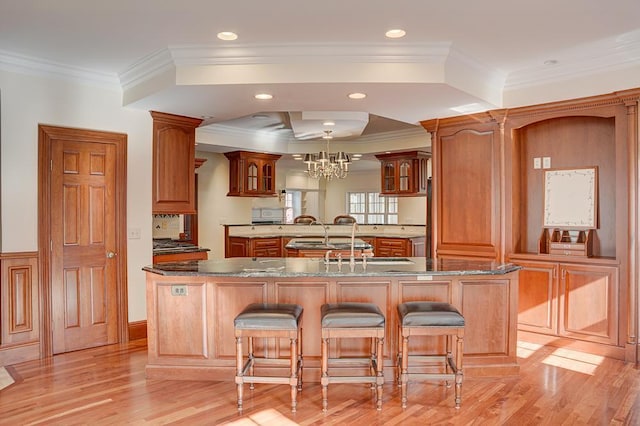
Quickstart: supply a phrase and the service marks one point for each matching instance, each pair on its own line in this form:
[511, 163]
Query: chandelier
[327, 164]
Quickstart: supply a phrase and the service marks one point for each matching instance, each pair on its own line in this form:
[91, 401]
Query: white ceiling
[164, 55]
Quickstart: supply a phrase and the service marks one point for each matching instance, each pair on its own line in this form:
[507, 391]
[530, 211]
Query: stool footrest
[352, 379]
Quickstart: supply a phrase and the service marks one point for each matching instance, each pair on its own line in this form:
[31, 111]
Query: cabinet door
[404, 176]
[237, 247]
[252, 177]
[173, 163]
[589, 302]
[538, 298]
[268, 168]
[389, 177]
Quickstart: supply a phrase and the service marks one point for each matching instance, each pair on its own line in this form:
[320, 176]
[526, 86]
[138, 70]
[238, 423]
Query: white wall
[28, 100]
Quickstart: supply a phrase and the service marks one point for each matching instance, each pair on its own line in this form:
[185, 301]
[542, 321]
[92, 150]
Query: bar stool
[276, 320]
[430, 319]
[353, 320]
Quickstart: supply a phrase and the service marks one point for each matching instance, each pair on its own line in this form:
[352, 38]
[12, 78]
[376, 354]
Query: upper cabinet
[404, 173]
[252, 174]
[174, 141]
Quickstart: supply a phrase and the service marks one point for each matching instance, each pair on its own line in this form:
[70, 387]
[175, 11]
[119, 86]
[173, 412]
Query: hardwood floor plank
[107, 386]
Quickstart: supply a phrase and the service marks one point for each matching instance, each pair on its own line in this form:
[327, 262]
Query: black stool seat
[429, 314]
[269, 316]
[351, 315]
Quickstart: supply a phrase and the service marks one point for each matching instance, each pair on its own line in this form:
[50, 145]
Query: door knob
[110, 255]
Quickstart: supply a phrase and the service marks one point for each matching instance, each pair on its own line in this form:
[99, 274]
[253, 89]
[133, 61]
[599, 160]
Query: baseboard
[138, 330]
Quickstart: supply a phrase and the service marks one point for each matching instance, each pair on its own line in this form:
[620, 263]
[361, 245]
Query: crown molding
[615, 53]
[23, 64]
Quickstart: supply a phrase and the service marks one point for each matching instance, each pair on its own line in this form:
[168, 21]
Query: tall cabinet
[174, 147]
[489, 195]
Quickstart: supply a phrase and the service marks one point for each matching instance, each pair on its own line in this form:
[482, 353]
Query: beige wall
[27, 101]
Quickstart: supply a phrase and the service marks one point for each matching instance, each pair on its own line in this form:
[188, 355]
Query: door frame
[47, 134]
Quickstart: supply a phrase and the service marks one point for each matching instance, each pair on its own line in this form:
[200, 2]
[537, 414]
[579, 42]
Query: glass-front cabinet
[252, 174]
[404, 173]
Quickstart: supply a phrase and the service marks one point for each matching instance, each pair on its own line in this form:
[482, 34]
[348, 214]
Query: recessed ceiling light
[264, 96]
[396, 33]
[260, 116]
[356, 155]
[329, 123]
[357, 95]
[227, 36]
[551, 62]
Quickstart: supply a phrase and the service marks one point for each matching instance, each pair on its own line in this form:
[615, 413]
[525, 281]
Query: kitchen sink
[378, 260]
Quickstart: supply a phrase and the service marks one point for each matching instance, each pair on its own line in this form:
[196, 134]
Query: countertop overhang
[317, 267]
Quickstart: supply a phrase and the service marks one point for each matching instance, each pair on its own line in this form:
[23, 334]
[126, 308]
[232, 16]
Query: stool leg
[251, 362]
[294, 372]
[459, 376]
[239, 379]
[324, 380]
[299, 356]
[404, 377]
[379, 375]
[448, 358]
[399, 357]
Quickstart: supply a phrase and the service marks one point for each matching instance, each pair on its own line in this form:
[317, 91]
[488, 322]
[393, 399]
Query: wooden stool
[353, 320]
[260, 320]
[430, 319]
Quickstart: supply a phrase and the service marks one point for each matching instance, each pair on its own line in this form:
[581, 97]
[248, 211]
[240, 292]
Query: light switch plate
[134, 233]
[546, 162]
[537, 163]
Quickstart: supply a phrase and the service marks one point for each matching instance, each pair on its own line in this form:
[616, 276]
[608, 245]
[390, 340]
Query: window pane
[392, 219]
[392, 204]
[375, 218]
[359, 218]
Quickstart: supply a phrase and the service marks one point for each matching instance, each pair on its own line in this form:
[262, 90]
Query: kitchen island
[191, 307]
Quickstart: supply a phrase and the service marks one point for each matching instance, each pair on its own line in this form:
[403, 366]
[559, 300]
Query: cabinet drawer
[392, 243]
[263, 243]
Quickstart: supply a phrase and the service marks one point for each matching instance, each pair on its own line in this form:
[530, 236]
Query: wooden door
[83, 238]
[83, 232]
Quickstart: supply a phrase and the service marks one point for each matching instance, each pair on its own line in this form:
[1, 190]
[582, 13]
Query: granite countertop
[316, 267]
[315, 243]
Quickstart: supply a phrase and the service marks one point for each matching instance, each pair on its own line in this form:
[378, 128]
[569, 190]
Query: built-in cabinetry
[489, 193]
[570, 300]
[274, 247]
[180, 257]
[174, 139]
[399, 247]
[19, 308]
[253, 247]
[404, 173]
[252, 174]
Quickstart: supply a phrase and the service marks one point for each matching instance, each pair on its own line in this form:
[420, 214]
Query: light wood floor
[107, 386]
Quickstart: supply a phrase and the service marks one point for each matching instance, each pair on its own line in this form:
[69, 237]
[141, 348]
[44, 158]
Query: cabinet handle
[555, 273]
[564, 273]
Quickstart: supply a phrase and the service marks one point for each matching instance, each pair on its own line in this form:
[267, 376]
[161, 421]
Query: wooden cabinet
[404, 173]
[174, 140]
[253, 247]
[252, 174]
[265, 247]
[400, 247]
[392, 247]
[570, 300]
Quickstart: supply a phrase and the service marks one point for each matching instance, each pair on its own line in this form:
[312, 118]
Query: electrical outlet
[546, 162]
[537, 163]
[134, 233]
[179, 290]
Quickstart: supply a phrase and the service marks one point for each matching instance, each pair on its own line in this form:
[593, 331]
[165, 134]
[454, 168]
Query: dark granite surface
[313, 267]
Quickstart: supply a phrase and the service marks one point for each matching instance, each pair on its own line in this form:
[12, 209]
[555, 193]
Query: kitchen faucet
[352, 257]
[324, 228]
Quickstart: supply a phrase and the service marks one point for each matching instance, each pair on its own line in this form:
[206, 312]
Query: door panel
[83, 233]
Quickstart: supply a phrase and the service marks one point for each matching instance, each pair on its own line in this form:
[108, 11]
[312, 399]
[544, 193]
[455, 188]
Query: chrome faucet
[324, 228]
[352, 257]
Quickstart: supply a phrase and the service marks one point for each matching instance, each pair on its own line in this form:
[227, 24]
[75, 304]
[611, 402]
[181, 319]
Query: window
[370, 207]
